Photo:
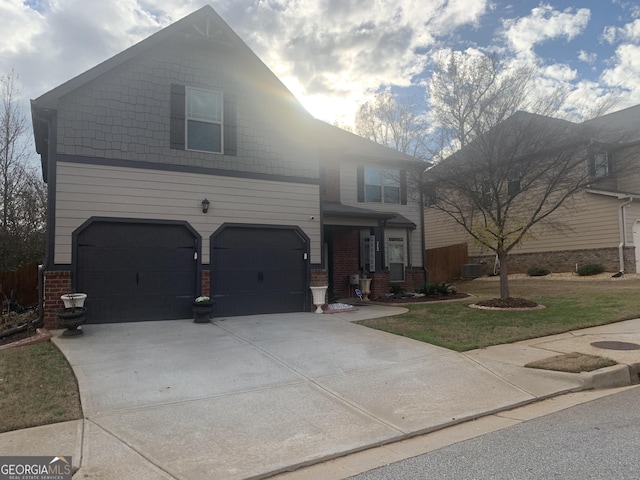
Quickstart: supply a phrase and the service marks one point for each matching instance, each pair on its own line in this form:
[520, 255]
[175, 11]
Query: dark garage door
[136, 271]
[258, 270]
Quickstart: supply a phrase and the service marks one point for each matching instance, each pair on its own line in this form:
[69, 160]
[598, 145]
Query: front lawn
[37, 387]
[571, 305]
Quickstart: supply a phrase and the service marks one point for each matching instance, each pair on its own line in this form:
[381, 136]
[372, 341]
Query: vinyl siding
[629, 181]
[85, 190]
[590, 221]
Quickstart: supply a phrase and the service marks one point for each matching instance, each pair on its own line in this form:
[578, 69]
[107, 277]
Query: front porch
[368, 244]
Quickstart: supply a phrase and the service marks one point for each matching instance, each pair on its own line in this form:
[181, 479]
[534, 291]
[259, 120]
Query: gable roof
[357, 148]
[205, 23]
[621, 126]
[510, 128]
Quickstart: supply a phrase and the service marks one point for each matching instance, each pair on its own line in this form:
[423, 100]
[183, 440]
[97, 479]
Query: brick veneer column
[345, 259]
[319, 278]
[205, 282]
[56, 284]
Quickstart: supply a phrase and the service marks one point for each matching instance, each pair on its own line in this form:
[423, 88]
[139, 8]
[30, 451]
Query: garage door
[136, 271]
[258, 270]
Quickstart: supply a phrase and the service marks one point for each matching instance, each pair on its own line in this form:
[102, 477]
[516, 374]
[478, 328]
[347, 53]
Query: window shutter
[403, 187]
[230, 125]
[177, 125]
[360, 181]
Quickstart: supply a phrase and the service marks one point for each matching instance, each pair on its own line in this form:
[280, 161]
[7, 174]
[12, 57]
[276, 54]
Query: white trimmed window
[381, 185]
[601, 164]
[204, 120]
[396, 259]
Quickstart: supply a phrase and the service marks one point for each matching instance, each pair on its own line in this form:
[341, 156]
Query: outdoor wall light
[205, 205]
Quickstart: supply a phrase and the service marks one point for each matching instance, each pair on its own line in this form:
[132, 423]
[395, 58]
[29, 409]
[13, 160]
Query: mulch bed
[16, 336]
[12, 324]
[510, 302]
[413, 299]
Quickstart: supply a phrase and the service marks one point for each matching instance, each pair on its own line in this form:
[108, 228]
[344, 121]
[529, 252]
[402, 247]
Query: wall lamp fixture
[205, 205]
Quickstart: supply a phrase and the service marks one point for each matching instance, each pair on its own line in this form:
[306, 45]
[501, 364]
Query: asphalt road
[595, 440]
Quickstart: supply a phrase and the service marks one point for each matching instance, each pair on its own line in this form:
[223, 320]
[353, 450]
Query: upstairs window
[381, 186]
[213, 117]
[204, 120]
[600, 164]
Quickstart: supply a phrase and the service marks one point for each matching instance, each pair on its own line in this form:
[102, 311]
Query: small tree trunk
[504, 276]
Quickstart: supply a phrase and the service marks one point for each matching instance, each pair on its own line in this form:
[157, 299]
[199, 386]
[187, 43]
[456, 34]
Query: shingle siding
[125, 114]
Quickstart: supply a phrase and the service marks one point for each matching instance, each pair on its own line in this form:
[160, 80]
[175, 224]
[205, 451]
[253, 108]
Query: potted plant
[202, 308]
[73, 314]
[74, 299]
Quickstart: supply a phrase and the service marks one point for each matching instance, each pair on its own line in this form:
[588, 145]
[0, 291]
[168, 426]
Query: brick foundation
[563, 261]
[381, 285]
[56, 284]
[346, 262]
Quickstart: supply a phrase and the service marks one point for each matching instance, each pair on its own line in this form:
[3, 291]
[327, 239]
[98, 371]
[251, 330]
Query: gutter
[623, 231]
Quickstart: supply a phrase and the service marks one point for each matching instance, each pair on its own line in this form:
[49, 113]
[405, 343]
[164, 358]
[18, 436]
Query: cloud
[629, 32]
[560, 72]
[332, 54]
[15, 37]
[544, 23]
[324, 48]
[587, 57]
[626, 70]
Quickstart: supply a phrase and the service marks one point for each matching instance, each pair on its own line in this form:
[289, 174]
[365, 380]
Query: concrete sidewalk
[248, 397]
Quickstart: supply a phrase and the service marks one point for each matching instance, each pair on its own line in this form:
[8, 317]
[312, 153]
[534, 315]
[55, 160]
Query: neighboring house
[182, 166]
[600, 224]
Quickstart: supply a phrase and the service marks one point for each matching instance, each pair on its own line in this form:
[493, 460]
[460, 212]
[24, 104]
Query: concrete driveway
[251, 396]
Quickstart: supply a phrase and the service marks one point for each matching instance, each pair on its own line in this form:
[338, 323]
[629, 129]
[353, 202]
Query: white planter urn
[74, 299]
[365, 288]
[319, 294]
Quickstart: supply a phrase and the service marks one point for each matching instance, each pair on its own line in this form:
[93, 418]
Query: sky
[336, 54]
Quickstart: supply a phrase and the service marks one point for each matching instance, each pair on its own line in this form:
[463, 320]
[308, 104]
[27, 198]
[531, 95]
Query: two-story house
[600, 223]
[183, 167]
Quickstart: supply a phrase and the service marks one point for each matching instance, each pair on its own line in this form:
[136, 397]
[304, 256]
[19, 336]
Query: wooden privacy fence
[23, 281]
[445, 263]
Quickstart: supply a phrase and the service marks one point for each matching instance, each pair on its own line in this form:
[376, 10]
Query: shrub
[435, 289]
[590, 269]
[397, 290]
[538, 272]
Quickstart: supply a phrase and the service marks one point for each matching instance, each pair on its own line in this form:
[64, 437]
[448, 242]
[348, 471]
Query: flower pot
[202, 311]
[319, 294]
[71, 319]
[365, 287]
[74, 299]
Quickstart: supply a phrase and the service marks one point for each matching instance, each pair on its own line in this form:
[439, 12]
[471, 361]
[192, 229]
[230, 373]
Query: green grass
[456, 326]
[37, 387]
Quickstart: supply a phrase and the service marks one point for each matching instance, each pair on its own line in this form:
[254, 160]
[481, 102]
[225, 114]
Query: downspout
[623, 232]
[47, 254]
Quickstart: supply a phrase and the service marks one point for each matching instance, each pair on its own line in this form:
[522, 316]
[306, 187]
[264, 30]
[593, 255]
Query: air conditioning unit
[472, 270]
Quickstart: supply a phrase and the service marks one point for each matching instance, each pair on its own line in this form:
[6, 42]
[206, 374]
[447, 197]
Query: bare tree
[396, 124]
[513, 177]
[511, 170]
[22, 193]
[469, 93]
